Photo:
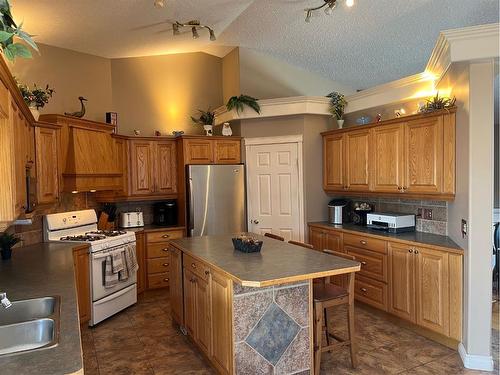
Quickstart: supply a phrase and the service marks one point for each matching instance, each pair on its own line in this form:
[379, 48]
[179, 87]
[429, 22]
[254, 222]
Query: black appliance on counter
[165, 213]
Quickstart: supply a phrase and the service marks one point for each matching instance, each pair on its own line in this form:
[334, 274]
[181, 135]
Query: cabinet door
[198, 151]
[189, 302]
[203, 324]
[141, 261]
[357, 156]
[388, 158]
[333, 241]
[432, 292]
[176, 303]
[221, 290]
[21, 156]
[141, 167]
[166, 170]
[316, 238]
[47, 165]
[227, 151]
[424, 155]
[333, 162]
[401, 281]
[122, 153]
[82, 278]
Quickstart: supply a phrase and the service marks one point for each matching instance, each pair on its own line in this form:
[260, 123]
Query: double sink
[30, 324]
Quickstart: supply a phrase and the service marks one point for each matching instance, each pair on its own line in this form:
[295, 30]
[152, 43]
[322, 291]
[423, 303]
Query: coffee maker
[165, 213]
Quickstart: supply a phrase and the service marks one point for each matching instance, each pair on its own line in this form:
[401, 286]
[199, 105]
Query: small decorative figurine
[178, 133]
[137, 132]
[157, 133]
[379, 117]
[81, 112]
[226, 129]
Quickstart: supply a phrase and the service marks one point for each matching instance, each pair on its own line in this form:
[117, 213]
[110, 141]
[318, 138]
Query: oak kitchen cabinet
[140, 251]
[82, 280]
[210, 150]
[418, 283]
[47, 162]
[413, 155]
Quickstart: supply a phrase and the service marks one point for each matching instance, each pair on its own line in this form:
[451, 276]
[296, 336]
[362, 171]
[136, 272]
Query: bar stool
[327, 295]
[274, 236]
[306, 245]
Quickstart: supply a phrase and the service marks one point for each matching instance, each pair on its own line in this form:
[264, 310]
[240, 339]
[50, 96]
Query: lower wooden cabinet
[176, 302]
[325, 239]
[417, 283]
[82, 279]
[140, 249]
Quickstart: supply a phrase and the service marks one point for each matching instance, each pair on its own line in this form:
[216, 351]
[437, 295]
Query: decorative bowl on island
[247, 244]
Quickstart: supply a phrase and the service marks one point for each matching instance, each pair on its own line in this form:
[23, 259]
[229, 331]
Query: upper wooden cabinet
[166, 176]
[414, 156]
[47, 162]
[210, 150]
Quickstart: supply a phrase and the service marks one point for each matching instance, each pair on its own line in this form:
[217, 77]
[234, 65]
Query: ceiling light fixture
[159, 3]
[195, 26]
[329, 6]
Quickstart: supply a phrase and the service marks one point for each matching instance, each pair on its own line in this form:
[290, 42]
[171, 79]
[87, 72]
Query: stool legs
[318, 319]
[350, 321]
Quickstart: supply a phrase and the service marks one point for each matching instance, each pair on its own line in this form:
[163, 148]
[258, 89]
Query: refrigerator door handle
[191, 206]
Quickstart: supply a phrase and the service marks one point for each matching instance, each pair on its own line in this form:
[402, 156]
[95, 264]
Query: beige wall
[71, 74]
[161, 92]
[266, 77]
[231, 74]
[310, 126]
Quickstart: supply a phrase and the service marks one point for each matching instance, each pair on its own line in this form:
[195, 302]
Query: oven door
[97, 270]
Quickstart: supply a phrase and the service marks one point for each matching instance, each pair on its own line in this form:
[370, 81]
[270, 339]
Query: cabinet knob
[166, 279]
[410, 251]
[363, 242]
[207, 272]
[164, 249]
[363, 263]
[363, 290]
[165, 264]
[165, 236]
[416, 251]
[400, 188]
[405, 188]
[193, 265]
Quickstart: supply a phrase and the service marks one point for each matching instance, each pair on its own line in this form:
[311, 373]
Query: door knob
[254, 221]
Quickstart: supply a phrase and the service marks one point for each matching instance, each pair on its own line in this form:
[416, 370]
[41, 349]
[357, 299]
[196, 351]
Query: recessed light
[349, 3]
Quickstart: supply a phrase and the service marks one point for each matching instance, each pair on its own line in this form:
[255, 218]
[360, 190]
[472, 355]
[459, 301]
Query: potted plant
[7, 241]
[437, 103]
[337, 106]
[206, 119]
[36, 98]
[10, 32]
[242, 101]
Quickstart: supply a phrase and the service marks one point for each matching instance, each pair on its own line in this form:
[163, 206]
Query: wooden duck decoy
[81, 112]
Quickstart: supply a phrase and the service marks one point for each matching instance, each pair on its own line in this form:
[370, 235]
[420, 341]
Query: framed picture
[112, 118]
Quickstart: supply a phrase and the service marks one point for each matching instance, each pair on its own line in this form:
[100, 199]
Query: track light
[159, 3]
[308, 16]
[329, 6]
[212, 35]
[349, 3]
[175, 28]
[195, 32]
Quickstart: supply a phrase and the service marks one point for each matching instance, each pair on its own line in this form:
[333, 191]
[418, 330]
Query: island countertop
[41, 270]
[277, 263]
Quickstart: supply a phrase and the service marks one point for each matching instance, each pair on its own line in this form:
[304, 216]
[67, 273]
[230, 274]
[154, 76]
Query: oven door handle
[98, 256]
[114, 295]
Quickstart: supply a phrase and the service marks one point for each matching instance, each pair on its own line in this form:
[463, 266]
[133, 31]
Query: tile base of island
[248, 313]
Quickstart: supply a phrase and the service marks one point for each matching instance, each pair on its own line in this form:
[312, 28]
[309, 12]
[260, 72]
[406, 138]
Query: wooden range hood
[88, 159]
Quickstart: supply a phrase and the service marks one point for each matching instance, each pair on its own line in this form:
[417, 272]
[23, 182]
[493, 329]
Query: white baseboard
[475, 362]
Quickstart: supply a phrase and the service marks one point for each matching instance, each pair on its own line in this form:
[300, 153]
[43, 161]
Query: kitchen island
[249, 313]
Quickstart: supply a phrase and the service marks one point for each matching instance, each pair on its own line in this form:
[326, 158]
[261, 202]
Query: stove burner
[106, 233]
[83, 238]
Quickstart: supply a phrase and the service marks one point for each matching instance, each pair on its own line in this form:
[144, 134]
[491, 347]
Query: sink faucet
[5, 301]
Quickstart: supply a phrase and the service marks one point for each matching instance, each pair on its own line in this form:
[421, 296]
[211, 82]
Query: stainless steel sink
[30, 324]
[29, 309]
[25, 336]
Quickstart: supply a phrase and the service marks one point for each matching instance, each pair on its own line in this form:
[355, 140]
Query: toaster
[131, 219]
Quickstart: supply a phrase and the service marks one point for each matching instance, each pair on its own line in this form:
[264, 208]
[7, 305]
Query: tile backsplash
[438, 224]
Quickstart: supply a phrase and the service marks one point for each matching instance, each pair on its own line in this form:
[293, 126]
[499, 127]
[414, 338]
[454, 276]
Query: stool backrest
[274, 236]
[306, 245]
[338, 254]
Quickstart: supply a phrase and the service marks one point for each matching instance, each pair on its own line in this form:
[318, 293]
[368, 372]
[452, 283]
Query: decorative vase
[226, 129]
[6, 253]
[208, 130]
[340, 123]
[35, 112]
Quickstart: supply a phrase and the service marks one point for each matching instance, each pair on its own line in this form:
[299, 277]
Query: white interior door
[274, 189]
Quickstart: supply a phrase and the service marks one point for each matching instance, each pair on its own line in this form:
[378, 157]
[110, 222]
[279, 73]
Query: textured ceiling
[373, 42]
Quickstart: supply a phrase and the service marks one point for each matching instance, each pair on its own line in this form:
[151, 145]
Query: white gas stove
[81, 227]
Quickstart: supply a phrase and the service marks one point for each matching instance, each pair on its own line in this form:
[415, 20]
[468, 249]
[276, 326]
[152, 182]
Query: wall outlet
[464, 228]
[428, 213]
[419, 212]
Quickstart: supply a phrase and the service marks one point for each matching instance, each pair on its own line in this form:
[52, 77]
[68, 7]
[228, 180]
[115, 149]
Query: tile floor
[141, 340]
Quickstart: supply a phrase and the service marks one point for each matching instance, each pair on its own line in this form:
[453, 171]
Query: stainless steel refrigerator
[216, 199]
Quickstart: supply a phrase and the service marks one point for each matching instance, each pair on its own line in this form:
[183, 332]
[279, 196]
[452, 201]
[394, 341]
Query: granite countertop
[45, 269]
[150, 227]
[428, 239]
[277, 263]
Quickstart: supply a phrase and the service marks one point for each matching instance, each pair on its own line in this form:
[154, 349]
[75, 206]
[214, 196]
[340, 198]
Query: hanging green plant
[239, 103]
[10, 32]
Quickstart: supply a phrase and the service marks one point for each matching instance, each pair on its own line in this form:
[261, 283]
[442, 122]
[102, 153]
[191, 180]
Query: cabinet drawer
[162, 236]
[158, 265]
[199, 268]
[364, 242]
[373, 264]
[157, 250]
[158, 280]
[371, 292]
